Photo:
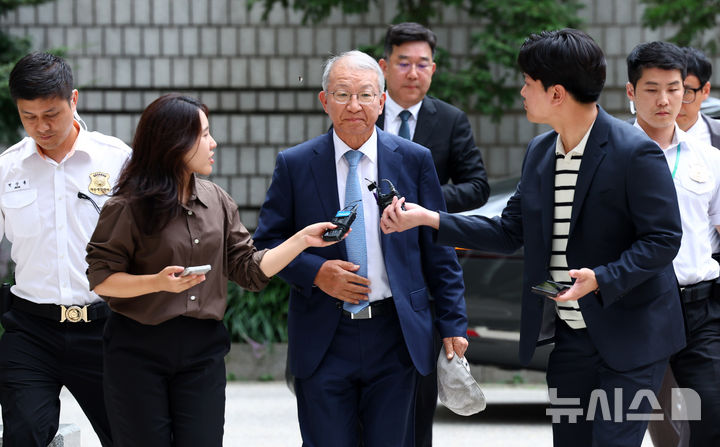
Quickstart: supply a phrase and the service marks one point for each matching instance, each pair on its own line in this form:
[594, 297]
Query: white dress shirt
[367, 169]
[697, 182]
[47, 224]
[700, 131]
[392, 116]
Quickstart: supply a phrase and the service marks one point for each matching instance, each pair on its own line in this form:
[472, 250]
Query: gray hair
[357, 60]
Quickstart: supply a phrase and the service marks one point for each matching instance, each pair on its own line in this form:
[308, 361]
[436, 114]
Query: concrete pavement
[263, 414]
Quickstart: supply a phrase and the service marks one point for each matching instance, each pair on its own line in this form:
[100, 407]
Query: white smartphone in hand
[196, 270]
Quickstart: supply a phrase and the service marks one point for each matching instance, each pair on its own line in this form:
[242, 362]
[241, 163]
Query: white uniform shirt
[392, 116]
[697, 182]
[48, 225]
[701, 132]
[367, 169]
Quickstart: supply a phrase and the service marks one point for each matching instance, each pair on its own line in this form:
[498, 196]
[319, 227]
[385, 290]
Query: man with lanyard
[656, 72]
[54, 182]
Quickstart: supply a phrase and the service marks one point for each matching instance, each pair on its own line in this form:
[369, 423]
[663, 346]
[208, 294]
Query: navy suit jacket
[304, 191]
[446, 131]
[625, 225]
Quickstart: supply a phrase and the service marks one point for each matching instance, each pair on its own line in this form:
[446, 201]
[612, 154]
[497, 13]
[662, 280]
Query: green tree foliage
[691, 17]
[486, 80]
[11, 49]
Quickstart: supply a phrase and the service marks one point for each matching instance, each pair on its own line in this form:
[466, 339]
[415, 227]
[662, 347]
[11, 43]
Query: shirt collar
[577, 150]
[679, 136]
[369, 147]
[393, 109]
[700, 127]
[197, 192]
[33, 149]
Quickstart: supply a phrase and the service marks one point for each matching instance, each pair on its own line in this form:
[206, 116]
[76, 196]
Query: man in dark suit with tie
[444, 129]
[595, 209]
[359, 323]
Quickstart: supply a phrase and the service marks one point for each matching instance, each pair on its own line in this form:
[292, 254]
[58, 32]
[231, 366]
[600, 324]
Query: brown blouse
[208, 231]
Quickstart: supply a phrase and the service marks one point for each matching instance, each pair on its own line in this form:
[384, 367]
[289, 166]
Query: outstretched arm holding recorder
[169, 279]
[397, 219]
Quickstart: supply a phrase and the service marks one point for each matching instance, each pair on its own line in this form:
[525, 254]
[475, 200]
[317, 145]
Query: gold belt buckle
[73, 314]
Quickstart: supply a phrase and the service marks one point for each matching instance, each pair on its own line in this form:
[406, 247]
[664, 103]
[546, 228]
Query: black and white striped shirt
[567, 167]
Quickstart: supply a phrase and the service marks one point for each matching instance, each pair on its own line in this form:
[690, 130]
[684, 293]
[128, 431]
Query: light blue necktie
[355, 242]
[404, 127]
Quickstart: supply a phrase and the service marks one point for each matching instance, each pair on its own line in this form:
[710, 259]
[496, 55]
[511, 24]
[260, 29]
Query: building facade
[259, 78]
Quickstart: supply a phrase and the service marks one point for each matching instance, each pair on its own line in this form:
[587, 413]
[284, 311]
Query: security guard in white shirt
[53, 184]
[656, 71]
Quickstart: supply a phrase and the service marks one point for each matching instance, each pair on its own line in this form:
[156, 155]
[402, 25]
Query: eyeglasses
[689, 95]
[343, 97]
[406, 66]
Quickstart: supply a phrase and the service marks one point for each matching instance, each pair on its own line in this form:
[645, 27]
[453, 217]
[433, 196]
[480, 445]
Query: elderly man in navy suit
[359, 323]
[595, 209]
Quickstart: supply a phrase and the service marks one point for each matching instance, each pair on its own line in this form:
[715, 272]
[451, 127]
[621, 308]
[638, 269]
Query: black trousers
[165, 384]
[37, 357]
[697, 367]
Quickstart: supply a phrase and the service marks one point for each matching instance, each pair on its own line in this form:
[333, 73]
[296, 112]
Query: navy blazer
[446, 131]
[625, 225]
[304, 191]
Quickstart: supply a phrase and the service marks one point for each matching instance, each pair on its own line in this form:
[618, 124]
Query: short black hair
[658, 54]
[41, 75]
[698, 64]
[408, 32]
[566, 57]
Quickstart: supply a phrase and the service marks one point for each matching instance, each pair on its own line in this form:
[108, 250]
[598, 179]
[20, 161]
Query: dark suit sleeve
[469, 188]
[653, 210]
[501, 234]
[441, 269]
[276, 224]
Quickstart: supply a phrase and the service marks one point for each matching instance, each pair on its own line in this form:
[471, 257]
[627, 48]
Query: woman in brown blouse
[164, 374]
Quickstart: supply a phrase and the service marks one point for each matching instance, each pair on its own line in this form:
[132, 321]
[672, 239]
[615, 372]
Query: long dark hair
[169, 128]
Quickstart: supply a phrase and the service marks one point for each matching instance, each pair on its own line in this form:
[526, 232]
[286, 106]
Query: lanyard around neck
[677, 160]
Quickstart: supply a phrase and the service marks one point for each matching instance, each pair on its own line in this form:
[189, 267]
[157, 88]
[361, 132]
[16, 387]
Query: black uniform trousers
[697, 366]
[165, 384]
[37, 357]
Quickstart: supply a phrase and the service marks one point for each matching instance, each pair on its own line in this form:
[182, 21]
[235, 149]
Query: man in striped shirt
[595, 208]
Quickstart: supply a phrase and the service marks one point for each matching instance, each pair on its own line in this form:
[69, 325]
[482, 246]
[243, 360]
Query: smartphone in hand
[196, 270]
[550, 289]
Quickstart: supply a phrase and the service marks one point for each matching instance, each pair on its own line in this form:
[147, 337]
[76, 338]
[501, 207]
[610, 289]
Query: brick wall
[260, 79]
